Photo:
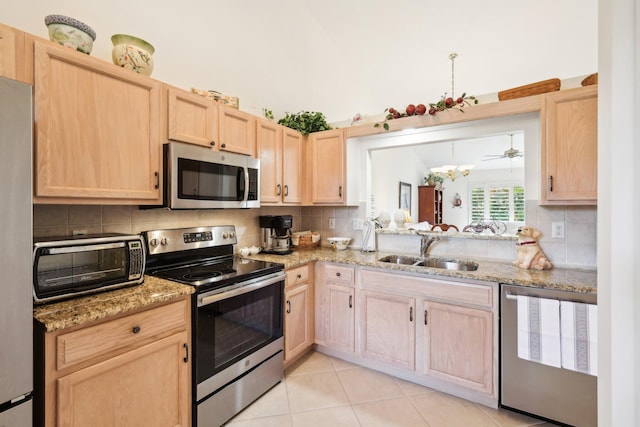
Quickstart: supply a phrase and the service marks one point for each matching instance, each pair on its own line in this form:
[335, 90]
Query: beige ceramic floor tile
[314, 391]
[340, 416]
[411, 389]
[509, 418]
[311, 363]
[273, 402]
[340, 364]
[277, 421]
[397, 412]
[365, 385]
[442, 410]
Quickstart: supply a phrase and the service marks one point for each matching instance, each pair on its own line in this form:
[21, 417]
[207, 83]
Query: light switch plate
[332, 223]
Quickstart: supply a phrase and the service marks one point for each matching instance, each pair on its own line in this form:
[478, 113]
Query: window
[498, 202]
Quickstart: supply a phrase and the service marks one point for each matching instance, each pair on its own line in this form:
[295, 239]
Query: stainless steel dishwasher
[549, 392]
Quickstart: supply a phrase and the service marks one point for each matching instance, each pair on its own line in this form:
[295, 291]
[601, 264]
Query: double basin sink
[443, 263]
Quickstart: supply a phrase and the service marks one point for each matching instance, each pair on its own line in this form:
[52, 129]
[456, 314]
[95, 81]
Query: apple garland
[445, 103]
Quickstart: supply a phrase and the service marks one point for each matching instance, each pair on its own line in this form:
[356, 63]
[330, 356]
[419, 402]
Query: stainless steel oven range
[237, 317]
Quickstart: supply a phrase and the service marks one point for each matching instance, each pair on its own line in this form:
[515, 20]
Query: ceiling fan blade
[494, 158]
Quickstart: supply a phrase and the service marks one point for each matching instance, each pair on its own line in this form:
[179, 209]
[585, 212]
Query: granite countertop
[65, 314]
[565, 279]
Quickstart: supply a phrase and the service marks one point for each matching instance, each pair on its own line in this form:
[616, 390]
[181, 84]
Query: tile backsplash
[577, 249]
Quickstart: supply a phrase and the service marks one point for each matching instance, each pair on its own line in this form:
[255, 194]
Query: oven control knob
[232, 234]
[164, 241]
[225, 235]
[153, 242]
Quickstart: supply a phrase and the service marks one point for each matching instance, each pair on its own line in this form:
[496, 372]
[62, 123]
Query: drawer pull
[136, 329]
[338, 274]
[299, 276]
[288, 307]
[350, 301]
[186, 352]
[410, 314]
[425, 316]
[286, 190]
[212, 143]
[279, 190]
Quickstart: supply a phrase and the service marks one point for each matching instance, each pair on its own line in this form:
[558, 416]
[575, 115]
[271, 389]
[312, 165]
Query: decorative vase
[132, 53]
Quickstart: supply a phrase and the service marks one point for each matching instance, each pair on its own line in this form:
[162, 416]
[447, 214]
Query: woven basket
[537, 88]
[591, 79]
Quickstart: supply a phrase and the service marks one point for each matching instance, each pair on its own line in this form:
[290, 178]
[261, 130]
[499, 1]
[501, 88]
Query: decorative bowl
[132, 53]
[339, 243]
[70, 32]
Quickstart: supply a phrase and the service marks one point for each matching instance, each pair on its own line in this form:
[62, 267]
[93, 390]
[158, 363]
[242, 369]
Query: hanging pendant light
[452, 171]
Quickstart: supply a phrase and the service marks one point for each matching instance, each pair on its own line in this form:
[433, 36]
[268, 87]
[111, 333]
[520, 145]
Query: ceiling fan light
[465, 167]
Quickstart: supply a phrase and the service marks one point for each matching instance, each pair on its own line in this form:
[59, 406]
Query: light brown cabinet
[280, 151]
[191, 118]
[129, 371]
[236, 131]
[97, 133]
[299, 314]
[429, 204]
[388, 328]
[569, 144]
[326, 167]
[335, 306]
[11, 53]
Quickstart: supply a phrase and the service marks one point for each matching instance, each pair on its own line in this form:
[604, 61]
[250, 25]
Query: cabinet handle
[157, 175]
[550, 182]
[340, 191]
[279, 192]
[350, 301]
[338, 274]
[135, 329]
[286, 190]
[299, 276]
[223, 145]
[425, 317]
[288, 307]
[186, 352]
[410, 314]
[212, 143]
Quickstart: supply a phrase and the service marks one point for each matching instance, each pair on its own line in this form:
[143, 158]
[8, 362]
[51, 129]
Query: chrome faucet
[426, 244]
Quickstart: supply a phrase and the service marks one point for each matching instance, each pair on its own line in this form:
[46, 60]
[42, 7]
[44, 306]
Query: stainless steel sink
[443, 263]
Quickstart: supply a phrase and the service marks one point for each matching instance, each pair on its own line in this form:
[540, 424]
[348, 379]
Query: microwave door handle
[243, 176]
[85, 248]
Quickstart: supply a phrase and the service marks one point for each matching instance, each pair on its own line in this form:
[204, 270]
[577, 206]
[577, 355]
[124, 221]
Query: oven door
[243, 322]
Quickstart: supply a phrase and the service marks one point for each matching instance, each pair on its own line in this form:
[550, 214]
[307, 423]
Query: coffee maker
[275, 234]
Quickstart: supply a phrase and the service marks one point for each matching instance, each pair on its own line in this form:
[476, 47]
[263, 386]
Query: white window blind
[497, 202]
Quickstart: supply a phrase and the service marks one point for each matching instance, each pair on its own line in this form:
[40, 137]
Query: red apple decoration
[421, 109]
[411, 110]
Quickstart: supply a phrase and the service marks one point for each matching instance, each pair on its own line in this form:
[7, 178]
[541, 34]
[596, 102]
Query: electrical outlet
[358, 224]
[332, 223]
[79, 232]
[557, 229]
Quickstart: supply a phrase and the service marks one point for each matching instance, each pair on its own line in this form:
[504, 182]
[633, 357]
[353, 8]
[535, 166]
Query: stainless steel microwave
[64, 267]
[201, 178]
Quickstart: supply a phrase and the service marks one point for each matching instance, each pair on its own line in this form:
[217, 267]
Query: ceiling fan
[508, 154]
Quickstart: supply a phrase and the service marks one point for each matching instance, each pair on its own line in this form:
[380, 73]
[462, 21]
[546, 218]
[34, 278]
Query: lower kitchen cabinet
[335, 306]
[132, 370]
[388, 328]
[298, 314]
[458, 345]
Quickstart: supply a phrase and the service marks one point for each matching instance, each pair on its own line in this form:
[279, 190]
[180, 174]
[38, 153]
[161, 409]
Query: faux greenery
[305, 122]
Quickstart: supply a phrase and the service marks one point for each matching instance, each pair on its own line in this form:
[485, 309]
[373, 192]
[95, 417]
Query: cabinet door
[327, 165]
[458, 345]
[11, 59]
[340, 319]
[292, 166]
[97, 130]
[191, 118]
[388, 328]
[570, 146]
[269, 143]
[237, 131]
[146, 386]
[298, 321]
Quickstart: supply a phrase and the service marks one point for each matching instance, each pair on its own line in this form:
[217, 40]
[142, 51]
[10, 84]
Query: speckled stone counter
[64, 314]
[572, 280]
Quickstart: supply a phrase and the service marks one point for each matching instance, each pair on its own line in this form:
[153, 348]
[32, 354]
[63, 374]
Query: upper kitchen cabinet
[11, 53]
[569, 122]
[280, 150]
[326, 164]
[237, 131]
[191, 118]
[97, 130]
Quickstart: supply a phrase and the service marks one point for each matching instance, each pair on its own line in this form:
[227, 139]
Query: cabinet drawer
[84, 344]
[298, 275]
[456, 292]
[340, 274]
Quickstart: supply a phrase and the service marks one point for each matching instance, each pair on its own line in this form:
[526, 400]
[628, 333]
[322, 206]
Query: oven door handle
[240, 288]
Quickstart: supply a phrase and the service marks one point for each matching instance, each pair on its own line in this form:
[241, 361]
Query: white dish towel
[579, 332]
[539, 330]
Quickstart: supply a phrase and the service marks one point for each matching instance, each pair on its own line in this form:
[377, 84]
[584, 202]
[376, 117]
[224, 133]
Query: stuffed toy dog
[529, 254]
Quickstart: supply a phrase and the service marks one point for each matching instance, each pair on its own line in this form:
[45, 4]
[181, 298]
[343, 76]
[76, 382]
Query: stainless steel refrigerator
[16, 299]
